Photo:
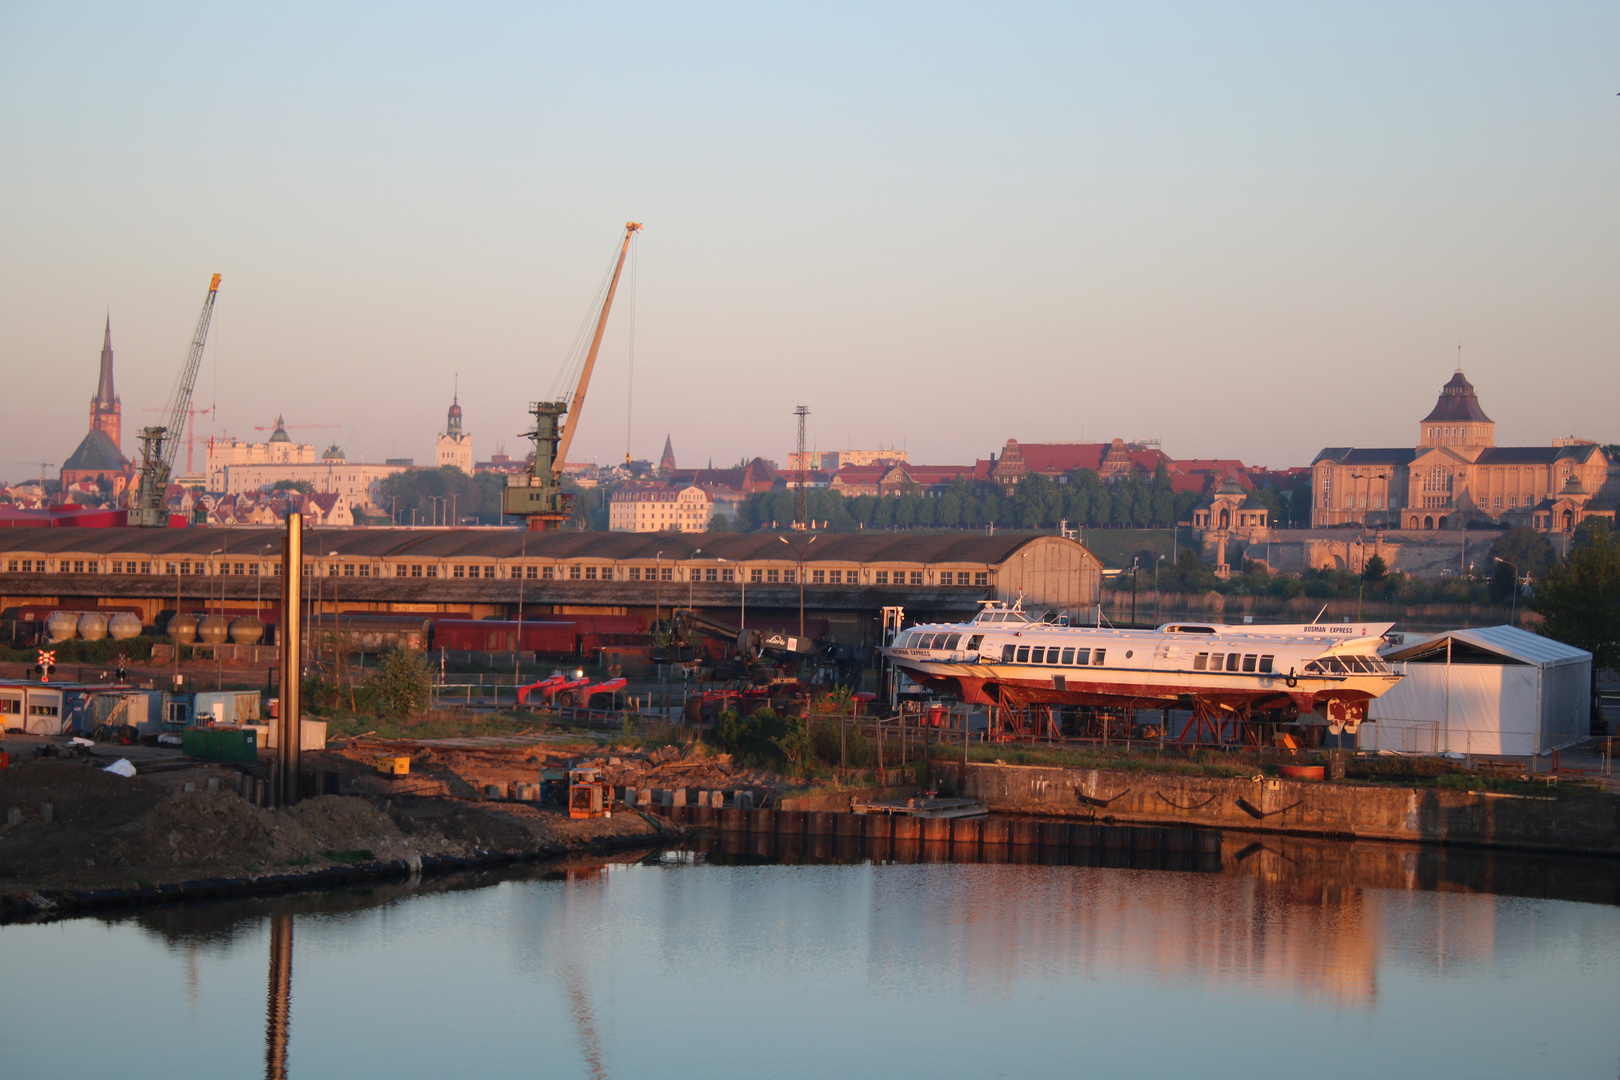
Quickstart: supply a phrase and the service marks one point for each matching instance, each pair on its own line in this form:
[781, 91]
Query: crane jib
[157, 450]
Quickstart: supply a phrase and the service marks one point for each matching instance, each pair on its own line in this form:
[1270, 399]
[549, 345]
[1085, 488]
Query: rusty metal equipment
[588, 795]
[537, 495]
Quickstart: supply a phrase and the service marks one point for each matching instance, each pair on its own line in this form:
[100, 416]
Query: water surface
[1293, 959]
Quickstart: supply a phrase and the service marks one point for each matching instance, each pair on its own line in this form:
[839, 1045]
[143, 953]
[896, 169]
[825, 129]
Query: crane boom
[537, 495]
[159, 445]
[577, 403]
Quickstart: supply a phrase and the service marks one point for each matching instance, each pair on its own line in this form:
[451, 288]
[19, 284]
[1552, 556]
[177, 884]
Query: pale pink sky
[1252, 230]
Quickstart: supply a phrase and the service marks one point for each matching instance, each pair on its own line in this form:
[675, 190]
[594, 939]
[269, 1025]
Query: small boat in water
[1309, 673]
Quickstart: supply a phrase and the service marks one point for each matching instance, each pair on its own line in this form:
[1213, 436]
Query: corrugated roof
[863, 547]
[97, 453]
[1506, 641]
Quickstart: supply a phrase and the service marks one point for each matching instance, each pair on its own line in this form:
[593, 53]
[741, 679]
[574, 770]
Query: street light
[1513, 618]
[517, 651]
[742, 618]
[1158, 596]
[689, 570]
[219, 657]
[658, 589]
[799, 550]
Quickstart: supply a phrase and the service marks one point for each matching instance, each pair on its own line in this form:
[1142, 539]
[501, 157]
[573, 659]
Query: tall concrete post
[285, 781]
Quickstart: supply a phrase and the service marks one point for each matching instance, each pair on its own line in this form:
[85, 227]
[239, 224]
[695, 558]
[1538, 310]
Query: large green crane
[537, 495]
[159, 445]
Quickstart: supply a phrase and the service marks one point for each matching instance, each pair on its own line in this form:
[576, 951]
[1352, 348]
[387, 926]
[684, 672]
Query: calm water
[1293, 959]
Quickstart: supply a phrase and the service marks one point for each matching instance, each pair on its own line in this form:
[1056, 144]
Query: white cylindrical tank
[247, 630]
[62, 625]
[183, 629]
[213, 630]
[92, 626]
[123, 626]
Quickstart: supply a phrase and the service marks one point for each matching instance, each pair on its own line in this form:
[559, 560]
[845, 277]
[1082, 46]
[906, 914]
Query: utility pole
[801, 504]
[284, 786]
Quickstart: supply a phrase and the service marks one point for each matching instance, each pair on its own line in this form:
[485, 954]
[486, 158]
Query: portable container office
[1487, 690]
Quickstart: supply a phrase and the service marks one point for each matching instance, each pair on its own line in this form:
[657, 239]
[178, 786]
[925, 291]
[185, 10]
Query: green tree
[301, 486]
[719, 523]
[1375, 569]
[948, 514]
[1580, 602]
[1528, 552]
[402, 682]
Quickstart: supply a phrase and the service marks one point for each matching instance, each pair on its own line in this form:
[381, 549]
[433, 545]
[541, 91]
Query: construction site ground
[167, 825]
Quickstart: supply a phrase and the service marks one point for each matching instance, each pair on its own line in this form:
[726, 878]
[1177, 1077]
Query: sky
[1251, 231]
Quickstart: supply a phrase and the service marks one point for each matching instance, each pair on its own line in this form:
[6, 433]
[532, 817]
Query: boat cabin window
[1023, 654]
[1232, 660]
[1097, 657]
[951, 641]
[1051, 656]
[1037, 656]
[1068, 656]
[1265, 662]
[1217, 661]
[1249, 661]
[1082, 657]
[1201, 662]
[1006, 654]
[974, 642]
[1313, 668]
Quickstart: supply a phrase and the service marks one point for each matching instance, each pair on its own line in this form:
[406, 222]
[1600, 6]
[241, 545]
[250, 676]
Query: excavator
[537, 495]
[756, 676]
[159, 445]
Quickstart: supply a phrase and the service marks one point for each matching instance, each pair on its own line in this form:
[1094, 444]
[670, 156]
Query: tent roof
[1508, 642]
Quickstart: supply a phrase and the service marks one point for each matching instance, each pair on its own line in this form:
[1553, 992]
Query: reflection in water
[902, 958]
[278, 1010]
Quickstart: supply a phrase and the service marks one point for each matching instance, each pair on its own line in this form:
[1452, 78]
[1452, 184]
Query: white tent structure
[1488, 690]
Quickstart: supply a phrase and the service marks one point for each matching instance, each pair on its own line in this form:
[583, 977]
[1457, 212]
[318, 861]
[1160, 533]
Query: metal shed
[1487, 690]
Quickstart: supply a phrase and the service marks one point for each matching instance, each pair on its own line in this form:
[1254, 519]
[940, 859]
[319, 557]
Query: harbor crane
[537, 495]
[159, 445]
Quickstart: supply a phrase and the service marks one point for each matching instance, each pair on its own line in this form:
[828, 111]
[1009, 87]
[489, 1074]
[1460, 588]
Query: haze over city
[1250, 232]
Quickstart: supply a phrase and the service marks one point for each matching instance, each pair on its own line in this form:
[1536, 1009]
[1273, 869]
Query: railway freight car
[557, 636]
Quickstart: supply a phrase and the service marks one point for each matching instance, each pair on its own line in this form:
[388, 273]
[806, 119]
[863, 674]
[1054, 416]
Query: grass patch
[444, 724]
[349, 858]
[1173, 760]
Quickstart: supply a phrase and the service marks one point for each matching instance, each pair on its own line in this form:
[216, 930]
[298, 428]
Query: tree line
[1080, 498]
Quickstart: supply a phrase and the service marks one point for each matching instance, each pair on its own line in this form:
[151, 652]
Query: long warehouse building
[846, 578]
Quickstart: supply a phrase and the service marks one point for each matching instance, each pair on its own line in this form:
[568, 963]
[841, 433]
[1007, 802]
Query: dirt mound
[220, 829]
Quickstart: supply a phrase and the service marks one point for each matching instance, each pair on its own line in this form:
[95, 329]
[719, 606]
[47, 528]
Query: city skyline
[906, 226]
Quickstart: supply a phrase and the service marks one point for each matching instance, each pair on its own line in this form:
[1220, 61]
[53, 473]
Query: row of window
[1036, 654]
[1346, 665]
[488, 571]
[1232, 662]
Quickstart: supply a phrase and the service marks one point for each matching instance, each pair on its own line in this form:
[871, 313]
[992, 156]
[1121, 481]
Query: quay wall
[1569, 821]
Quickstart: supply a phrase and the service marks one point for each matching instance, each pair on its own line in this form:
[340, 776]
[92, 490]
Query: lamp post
[799, 550]
[1513, 618]
[1158, 596]
[1135, 563]
[689, 572]
[219, 658]
[333, 575]
[517, 650]
[742, 617]
[658, 589]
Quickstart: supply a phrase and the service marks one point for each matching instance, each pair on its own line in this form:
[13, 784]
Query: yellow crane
[538, 495]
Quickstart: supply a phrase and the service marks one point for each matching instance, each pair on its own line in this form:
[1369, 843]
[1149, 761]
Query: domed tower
[1457, 420]
[455, 445]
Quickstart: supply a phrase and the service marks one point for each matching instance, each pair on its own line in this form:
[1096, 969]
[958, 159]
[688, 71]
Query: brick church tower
[105, 408]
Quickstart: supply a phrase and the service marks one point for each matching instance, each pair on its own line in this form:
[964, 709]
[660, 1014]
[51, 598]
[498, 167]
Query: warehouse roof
[1509, 643]
[863, 547]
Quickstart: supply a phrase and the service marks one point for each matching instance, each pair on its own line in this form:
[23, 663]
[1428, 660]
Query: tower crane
[538, 495]
[159, 445]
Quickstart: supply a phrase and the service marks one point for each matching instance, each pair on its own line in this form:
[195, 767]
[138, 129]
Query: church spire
[105, 395]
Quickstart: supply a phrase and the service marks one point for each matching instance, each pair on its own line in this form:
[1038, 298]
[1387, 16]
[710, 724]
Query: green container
[244, 745]
[193, 742]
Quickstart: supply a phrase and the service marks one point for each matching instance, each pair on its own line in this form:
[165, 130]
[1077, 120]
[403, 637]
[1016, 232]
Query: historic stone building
[1457, 474]
[99, 457]
[455, 446]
